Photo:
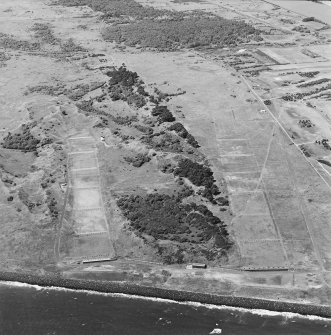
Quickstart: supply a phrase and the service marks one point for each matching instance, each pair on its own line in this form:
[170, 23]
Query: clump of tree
[78, 92]
[305, 150]
[47, 89]
[223, 201]
[123, 77]
[165, 29]
[44, 33]
[305, 123]
[308, 19]
[117, 8]
[87, 107]
[311, 74]
[125, 85]
[182, 132]
[256, 72]
[144, 129]
[74, 93]
[123, 120]
[301, 29]
[301, 95]
[161, 96]
[185, 191]
[324, 142]
[3, 59]
[199, 175]
[141, 91]
[323, 161]
[315, 82]
[138, 160]
[22, 140]
[9, 42]
[123, 93]
[189, 32]
[164, 217]
[163, 141]
[29, 201]
[71, 46]
[52, 205]
[163, 114]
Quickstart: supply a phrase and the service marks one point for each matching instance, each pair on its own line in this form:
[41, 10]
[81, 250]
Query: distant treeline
[165, 29]
[116, 8]
[182, 33]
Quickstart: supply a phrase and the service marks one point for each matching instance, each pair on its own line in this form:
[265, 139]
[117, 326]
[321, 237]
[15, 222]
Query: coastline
[161, 293]
[306, 295]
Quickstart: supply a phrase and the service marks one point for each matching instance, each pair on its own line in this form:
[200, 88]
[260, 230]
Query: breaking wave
[259, 312]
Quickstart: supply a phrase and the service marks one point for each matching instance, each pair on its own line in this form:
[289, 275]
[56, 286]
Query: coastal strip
[176, 295]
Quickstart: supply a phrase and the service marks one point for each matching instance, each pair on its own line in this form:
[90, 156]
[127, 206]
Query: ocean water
[28, 309]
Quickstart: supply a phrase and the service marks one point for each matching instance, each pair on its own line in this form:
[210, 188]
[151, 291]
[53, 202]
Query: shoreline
[169, 294]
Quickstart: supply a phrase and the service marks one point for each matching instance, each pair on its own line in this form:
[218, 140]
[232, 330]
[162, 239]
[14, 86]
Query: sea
[30, 309]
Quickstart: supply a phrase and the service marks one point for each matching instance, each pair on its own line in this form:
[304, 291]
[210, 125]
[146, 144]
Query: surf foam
[260, 312]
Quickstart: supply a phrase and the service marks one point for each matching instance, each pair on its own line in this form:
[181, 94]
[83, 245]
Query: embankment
[146, 291]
